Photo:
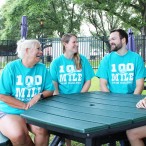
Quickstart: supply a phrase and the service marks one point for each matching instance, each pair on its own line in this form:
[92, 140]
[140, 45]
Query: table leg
[55, 141]
[91, 142]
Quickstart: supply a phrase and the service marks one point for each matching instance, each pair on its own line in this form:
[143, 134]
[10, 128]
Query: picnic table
[91, 118]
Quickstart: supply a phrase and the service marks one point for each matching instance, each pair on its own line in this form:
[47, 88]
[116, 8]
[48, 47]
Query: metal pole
[42, 25]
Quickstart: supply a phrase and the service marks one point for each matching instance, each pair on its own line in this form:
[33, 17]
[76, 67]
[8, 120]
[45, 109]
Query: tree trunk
[143, 29]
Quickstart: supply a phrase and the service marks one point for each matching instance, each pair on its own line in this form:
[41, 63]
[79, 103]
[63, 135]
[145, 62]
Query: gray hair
[22, 45]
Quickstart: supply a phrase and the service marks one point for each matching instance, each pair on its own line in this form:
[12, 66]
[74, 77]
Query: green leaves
[63, 16]
[59, 17]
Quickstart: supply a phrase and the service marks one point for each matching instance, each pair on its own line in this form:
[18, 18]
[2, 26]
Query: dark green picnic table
[91, 118]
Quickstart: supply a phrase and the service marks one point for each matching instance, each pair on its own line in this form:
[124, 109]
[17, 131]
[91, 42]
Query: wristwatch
[41, 96]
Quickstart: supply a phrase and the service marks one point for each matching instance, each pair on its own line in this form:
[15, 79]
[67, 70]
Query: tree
[12, 13]
[45, 18]
[66, 18]
[102, 21]
[132, 12]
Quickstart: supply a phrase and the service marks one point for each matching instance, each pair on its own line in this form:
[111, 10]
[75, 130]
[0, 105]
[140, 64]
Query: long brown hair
[65, 39]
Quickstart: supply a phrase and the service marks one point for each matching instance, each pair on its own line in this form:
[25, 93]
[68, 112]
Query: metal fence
[93, 48]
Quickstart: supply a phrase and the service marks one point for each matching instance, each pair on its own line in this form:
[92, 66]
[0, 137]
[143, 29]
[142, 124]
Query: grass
[94, 84]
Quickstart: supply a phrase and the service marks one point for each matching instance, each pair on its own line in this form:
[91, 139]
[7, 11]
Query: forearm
[138, 90]
[56, 92]
[13, 101]
[37, 97]
[86, 86]
[139, 86]
[104, 88]
[103, 85]
[47, 93]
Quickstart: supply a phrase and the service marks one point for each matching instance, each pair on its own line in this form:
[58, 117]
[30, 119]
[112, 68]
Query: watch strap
[41, 96]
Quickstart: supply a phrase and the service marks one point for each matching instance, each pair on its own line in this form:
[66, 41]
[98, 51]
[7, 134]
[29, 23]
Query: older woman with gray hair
[23, 83]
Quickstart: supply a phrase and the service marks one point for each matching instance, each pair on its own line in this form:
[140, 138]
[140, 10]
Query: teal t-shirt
[23, 83]
[121, 72]
[69, 79]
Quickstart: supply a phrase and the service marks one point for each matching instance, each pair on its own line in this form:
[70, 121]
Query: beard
[115, 47]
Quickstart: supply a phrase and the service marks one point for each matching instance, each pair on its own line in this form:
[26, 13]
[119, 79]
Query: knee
[41, 131]
[132, 134]
[19, 138]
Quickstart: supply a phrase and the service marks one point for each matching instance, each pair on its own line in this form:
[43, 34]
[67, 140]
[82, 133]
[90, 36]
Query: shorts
[2, 114]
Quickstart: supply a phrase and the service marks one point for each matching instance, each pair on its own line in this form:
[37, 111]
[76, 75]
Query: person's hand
[33, 101]
[141, 103]
[56, 92]
[25, 106]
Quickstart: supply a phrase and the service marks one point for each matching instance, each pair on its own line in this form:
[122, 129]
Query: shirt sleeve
[89, 73]
[53, 71]
[140, 71]
[6, 81]
[48, 82]
[102, 71]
